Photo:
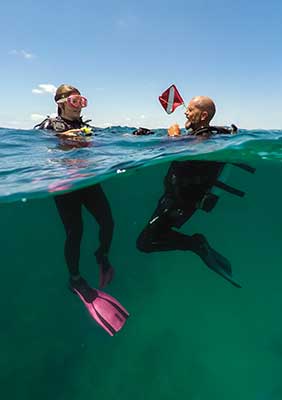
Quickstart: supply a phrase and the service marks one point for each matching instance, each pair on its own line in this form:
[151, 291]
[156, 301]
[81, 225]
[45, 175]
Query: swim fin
[215, 261]
[102, 307]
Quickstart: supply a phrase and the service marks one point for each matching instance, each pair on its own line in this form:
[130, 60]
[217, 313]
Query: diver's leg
[96, 202]
[151, 240]
[69, 208]
[158, 235]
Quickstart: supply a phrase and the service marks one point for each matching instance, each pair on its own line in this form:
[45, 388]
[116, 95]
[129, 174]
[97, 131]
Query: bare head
[200, 112]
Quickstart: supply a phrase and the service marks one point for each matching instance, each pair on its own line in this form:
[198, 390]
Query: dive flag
[171, 99]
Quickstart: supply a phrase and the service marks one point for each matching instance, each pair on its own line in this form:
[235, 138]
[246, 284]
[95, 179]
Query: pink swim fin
[104, 309]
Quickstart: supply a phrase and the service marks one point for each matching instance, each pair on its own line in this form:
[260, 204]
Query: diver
[69, 124]
[188, 187]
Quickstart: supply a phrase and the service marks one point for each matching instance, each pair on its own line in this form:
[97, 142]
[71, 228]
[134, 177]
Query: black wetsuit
[70, 205]
[187, 188]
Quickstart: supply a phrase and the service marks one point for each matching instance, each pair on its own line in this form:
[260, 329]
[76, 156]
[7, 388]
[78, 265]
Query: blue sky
[123, 54]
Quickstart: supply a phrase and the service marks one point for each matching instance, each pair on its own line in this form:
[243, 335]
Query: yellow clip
[86, 131]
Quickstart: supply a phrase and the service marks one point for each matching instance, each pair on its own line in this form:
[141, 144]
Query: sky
[123, 54]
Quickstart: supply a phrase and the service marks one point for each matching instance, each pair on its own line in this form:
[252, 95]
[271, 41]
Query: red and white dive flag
[171, 99]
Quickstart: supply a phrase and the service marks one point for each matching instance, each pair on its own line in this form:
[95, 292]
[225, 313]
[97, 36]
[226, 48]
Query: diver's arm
[70, 132]
[84, 131]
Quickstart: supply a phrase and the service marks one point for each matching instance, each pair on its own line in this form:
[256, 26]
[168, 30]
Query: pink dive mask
[74, 101]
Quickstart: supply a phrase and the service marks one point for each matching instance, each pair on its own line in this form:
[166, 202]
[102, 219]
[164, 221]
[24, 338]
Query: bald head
[200, 112]
[204, 103]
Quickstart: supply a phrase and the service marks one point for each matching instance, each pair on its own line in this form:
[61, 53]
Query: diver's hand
[174, 130]
[84, 131]
[70, 132]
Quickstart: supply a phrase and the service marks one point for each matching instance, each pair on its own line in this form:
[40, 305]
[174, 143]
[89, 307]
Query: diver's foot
[80, 285]
[211, 258]
[106, 271]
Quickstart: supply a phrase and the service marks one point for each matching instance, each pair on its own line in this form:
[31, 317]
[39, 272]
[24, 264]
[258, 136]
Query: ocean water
[190, 334]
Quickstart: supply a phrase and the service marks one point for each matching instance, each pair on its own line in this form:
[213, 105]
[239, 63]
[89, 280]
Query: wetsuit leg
[158, 235]
[96, 202]
[69, 206]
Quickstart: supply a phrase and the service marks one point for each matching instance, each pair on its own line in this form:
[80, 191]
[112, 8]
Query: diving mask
[74, 101]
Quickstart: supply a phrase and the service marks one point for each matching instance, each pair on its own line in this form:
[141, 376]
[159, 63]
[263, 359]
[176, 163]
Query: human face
[71, 106]
[193, 115]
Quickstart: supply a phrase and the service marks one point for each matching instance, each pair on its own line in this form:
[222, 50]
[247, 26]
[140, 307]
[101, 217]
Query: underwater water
[190, 334]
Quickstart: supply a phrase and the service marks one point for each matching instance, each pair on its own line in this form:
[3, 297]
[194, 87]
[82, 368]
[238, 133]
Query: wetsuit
[186, 185]
[69, 206]
[187, 188]
[60, 124]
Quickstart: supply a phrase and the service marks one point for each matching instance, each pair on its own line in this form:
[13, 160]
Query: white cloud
[49, 88]
[36, 91]
[27, 55]
[44, 88]
[22, 53]
[10, 124]
[37, 117]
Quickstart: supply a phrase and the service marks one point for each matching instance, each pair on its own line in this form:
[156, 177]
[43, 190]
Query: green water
[191, 334]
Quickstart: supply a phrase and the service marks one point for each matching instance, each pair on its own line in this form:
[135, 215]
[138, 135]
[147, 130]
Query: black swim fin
[215, 261]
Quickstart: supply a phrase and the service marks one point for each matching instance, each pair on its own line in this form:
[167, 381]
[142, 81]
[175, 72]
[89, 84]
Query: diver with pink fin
[103, 308]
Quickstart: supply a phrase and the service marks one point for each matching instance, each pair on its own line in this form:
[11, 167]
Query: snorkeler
[69, 124]
[188, 186]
